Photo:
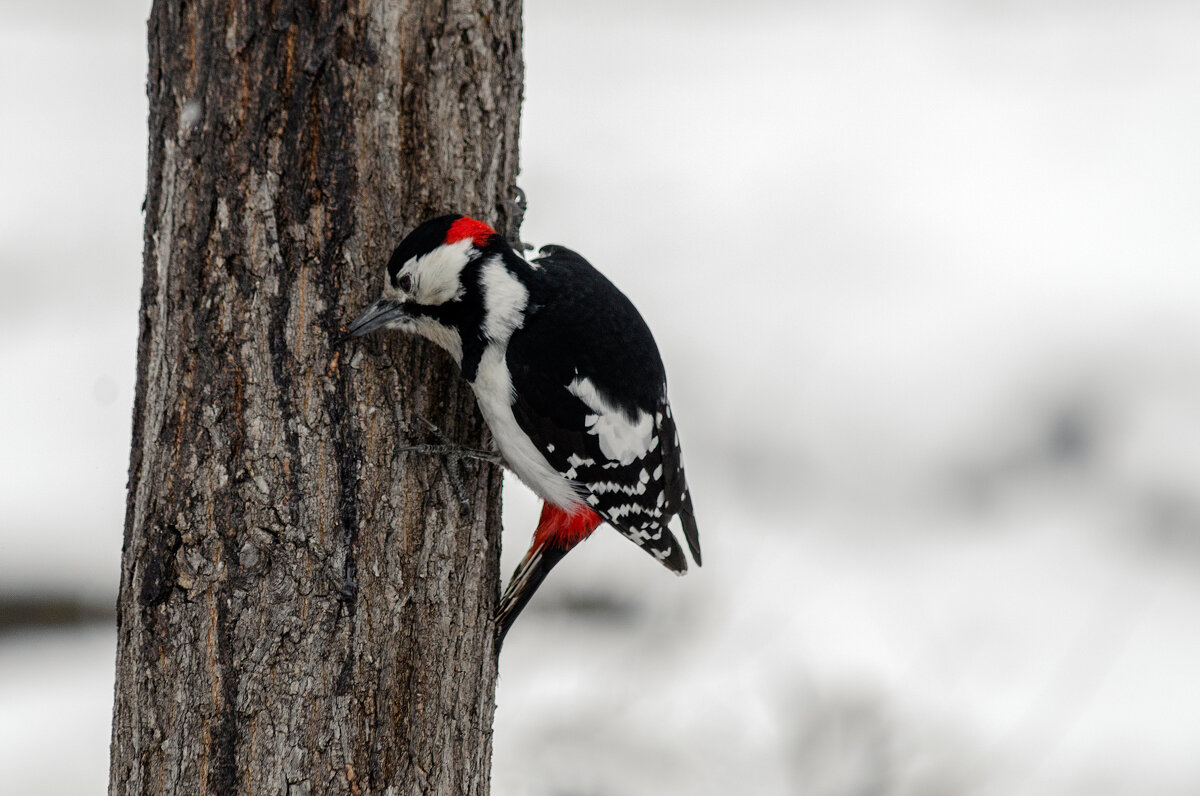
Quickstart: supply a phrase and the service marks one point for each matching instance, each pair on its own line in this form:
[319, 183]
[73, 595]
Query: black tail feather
[691, 531]
[526, 579]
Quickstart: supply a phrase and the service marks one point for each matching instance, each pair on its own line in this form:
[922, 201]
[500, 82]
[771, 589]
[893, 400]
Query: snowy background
[926, 277]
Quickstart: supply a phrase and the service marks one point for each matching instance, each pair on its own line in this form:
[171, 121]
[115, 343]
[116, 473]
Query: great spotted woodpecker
[568, 378]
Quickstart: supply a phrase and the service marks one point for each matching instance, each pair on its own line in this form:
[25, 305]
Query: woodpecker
[568, 378]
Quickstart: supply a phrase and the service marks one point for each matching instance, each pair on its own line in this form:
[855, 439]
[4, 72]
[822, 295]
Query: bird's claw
[517, 208]
[520, 204]
[448, 447]
[454, 450]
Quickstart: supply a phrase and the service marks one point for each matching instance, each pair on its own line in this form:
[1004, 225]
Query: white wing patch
[621, 440]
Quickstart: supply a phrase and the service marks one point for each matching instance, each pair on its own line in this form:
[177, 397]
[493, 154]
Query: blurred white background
[926, 277]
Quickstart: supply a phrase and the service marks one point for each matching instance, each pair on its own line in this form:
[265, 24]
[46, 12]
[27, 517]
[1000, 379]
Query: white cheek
[438, 275]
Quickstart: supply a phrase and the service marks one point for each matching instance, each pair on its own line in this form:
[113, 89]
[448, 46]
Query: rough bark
[305, 607]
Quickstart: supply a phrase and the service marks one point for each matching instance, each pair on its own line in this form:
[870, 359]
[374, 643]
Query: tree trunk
[304, 606]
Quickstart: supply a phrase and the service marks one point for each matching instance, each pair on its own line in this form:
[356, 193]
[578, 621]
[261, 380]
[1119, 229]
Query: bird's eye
[405, 283]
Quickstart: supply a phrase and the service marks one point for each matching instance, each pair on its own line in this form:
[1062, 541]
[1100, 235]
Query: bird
[568, 377]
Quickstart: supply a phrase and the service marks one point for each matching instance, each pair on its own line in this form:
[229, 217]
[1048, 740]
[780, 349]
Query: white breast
[493, 390]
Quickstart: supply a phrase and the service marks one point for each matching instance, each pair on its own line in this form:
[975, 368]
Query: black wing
[592, 334]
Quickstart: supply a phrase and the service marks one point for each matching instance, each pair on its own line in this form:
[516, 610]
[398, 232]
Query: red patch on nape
[562, 529]
[479, 232]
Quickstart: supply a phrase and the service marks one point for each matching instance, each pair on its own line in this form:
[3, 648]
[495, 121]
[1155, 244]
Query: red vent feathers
[563, 530]
[477, 231]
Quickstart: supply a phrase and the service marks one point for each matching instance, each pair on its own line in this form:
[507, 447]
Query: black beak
[374, 317]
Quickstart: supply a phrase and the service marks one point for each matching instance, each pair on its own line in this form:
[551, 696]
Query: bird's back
[591, 392]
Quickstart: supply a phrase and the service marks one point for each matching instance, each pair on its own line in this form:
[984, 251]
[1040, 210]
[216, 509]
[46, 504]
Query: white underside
[493, 390]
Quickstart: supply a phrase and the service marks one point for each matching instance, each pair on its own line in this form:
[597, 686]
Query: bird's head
[425, 291]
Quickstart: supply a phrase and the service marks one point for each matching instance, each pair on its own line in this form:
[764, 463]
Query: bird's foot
[451, 449]
[453, 454]
[516, 208]
[456, 451]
